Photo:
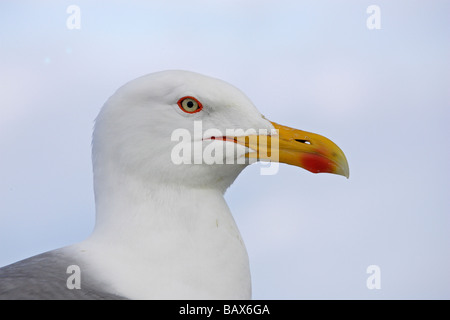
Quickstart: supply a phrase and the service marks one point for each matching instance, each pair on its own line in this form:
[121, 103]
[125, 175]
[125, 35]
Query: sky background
[382, 95]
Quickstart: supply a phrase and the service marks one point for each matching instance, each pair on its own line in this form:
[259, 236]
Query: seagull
[165, 148]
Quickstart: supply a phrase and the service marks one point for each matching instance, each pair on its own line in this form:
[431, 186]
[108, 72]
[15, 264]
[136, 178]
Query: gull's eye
[190, 104]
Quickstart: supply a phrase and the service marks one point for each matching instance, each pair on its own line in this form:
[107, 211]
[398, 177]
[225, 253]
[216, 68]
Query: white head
[172, 218]
[133, 132]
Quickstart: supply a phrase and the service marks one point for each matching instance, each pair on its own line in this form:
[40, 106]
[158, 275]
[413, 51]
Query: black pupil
[190, 104]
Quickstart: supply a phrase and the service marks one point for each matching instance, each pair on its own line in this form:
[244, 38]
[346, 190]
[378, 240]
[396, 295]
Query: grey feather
[44, 277]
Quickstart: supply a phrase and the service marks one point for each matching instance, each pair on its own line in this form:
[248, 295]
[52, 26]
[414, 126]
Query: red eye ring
[190, 104]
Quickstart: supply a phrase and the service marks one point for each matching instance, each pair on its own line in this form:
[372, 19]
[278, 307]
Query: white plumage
[163, 231]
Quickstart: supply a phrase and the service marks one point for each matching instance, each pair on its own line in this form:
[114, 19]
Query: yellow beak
[310, 151]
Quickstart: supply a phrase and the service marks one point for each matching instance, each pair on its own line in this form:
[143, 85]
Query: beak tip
[345, 172]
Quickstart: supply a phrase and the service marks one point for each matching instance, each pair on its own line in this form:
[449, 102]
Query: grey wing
[44, 277]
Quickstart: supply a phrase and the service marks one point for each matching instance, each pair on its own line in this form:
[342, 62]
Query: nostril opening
[303, 141]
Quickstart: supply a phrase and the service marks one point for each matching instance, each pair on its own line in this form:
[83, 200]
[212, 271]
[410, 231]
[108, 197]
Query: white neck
[166, 242]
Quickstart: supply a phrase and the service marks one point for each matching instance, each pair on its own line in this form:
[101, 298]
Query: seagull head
[174, 126]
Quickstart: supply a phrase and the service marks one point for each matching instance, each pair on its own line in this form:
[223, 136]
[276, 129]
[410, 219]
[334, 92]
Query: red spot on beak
[316, 163]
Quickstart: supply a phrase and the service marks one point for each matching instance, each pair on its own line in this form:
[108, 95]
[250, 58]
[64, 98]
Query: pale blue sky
[382, 95]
